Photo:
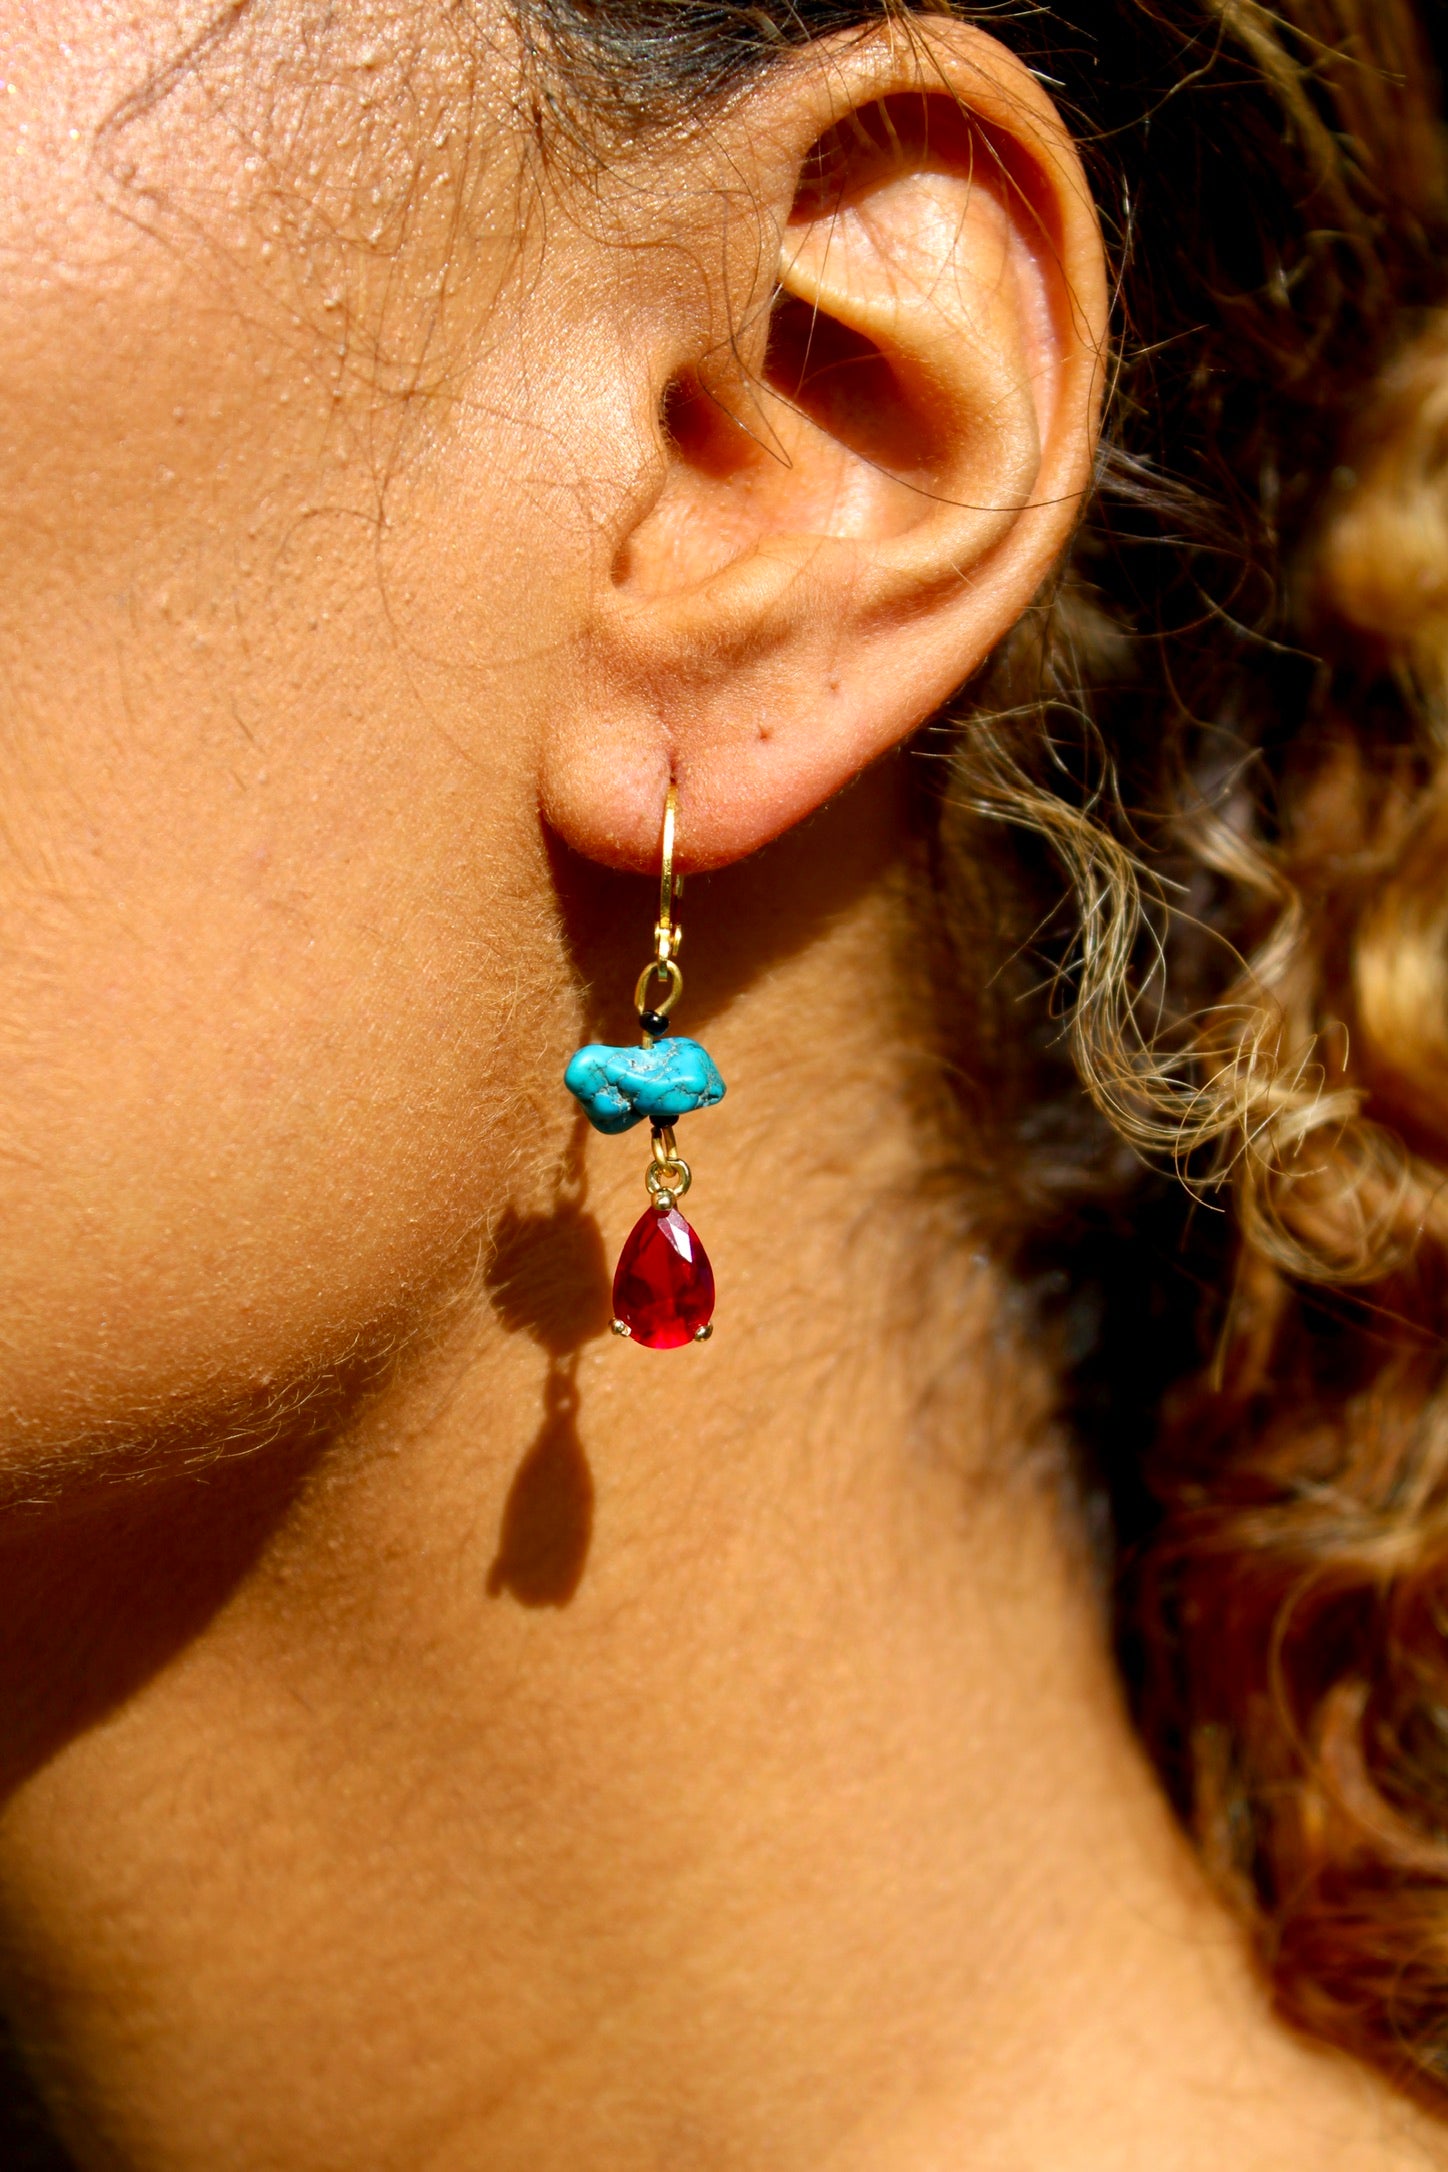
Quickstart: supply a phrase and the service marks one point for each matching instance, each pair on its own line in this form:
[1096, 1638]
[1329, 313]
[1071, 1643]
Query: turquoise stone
[621, 1087]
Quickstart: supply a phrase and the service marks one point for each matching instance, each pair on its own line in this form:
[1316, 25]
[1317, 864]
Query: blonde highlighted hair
[1256, 979]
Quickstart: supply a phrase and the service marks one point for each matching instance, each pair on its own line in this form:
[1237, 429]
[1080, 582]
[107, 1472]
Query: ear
[862, 484]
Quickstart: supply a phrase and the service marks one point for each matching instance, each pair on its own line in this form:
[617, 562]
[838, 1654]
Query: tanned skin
[435, 1735]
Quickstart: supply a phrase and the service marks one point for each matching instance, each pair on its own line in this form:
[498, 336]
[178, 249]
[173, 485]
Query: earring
[663, 1286]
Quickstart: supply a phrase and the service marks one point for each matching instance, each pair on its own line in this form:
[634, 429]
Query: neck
[595, 1757]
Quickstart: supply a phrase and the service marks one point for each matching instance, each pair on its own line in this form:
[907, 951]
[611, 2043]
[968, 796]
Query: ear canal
[701, 429]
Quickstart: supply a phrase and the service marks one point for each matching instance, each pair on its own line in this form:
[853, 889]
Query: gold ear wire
[668, 935]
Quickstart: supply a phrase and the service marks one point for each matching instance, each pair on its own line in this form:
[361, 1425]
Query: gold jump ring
[659, 969]
[673, 1176]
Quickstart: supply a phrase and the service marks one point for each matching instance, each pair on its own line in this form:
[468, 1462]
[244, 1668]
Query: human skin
[435, 1734]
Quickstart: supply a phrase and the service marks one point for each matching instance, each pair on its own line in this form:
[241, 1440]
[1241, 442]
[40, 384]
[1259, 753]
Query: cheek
[270, 871]
[253, 1081]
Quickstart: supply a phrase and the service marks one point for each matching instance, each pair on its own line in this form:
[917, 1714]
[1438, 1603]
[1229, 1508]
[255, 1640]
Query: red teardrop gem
[663, 1286]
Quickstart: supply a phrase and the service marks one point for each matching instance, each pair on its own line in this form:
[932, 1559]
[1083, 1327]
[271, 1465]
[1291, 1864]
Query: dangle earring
[663, 1286]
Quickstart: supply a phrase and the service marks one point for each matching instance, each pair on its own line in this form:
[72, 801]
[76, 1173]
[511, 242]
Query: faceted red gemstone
[663, 1286]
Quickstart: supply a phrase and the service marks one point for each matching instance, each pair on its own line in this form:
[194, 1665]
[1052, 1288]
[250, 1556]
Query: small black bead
[653, 1022]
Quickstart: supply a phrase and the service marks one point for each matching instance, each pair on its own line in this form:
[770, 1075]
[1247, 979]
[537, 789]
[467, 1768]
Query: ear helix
[663, 1286]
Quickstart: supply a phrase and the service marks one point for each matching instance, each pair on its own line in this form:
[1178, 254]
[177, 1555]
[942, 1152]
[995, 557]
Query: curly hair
[1227, 726]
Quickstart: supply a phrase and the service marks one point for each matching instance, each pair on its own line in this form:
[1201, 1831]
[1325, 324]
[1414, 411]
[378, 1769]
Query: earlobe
[855, 506]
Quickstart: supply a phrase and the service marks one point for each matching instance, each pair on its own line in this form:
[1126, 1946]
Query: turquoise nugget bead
[621, 1087]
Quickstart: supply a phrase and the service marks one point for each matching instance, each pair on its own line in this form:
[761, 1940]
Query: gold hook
[668, 935]
[663, 967]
